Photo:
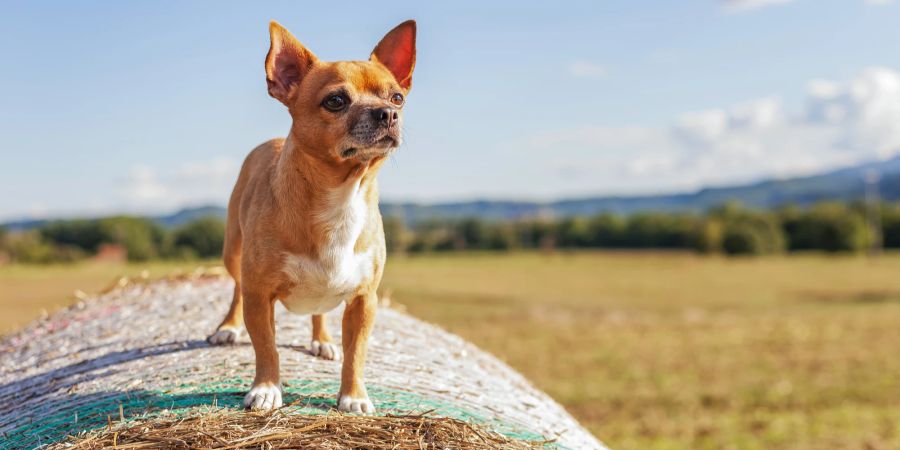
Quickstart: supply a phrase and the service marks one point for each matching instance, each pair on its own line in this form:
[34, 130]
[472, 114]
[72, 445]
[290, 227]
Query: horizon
[144, 109]
[192, 207]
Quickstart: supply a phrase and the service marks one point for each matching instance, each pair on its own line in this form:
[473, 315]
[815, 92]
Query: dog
[303, 223]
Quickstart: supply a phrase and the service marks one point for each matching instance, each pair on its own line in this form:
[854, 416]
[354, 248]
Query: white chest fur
[322, 283]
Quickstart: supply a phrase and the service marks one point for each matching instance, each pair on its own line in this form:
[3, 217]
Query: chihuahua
[303, 223]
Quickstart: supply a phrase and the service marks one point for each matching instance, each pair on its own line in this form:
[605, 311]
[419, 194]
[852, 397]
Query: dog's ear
[397, 52]
[287, 63]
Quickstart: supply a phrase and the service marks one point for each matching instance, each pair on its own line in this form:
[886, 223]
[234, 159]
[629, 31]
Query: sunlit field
[649, 350]
[27, 292]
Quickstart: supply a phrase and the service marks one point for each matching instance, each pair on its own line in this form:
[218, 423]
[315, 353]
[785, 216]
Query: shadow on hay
[82, 369]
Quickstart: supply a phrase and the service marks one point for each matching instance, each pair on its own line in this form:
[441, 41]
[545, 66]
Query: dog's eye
[335, 103]
[397, 99]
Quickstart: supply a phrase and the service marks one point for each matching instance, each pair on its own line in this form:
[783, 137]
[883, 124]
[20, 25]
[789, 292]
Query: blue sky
[151, 106]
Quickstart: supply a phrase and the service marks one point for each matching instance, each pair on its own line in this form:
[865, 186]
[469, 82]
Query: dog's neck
[307, 182]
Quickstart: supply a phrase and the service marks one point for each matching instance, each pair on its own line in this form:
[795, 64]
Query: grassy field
[652, 350]
[27, 292]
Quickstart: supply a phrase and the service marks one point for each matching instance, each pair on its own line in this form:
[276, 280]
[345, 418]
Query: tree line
[141, 239]
[728, 229]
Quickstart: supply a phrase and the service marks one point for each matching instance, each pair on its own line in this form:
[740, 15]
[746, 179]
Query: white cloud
[586, 69]
[142, 185]
[191, 183]
[867, 109]
[746, 5]
[840, 123]
[734, 6]
[703, 126]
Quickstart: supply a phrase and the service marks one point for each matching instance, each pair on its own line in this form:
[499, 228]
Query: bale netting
[131, 368]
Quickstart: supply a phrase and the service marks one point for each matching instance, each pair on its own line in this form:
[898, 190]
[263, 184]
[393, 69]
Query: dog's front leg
[259, 318]
[359, 316]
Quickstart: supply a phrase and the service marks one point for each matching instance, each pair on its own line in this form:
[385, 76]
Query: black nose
[385, 116]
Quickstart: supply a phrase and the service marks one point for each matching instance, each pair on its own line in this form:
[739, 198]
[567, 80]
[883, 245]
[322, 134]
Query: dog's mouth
[377, 148]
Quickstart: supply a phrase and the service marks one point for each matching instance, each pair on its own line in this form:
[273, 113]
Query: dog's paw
[263, 397]
[325, 350]
[225, 335]
[356, 405]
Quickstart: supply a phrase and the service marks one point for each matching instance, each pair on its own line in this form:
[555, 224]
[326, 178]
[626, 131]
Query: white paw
[224, 335]
[325, 350]
[263, 397]
[356, 405]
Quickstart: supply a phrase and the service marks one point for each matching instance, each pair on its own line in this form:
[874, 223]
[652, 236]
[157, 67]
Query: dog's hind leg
[322, 345]
[233, 323]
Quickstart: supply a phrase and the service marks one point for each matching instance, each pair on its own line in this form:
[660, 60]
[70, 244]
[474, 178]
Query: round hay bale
[138, 354]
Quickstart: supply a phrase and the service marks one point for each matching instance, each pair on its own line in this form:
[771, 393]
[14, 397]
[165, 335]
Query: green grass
[655, 350]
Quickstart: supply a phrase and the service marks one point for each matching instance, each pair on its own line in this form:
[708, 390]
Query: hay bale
[136, 357]
[223, 429]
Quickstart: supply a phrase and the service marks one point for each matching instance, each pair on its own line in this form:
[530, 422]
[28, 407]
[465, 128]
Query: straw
[137, 354]
[233, 430]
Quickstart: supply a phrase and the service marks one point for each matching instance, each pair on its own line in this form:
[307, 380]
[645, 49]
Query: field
[27, 292]
[650, 350]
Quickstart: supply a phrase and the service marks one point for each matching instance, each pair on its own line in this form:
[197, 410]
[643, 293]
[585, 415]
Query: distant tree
[503, 236]
[658, 230]
[790, 217]
[708, 236]
[744, 239]
[606, 230]
[84, 234]
[472, 233]
[539, 233]
[418, 244]
[642, 230]
[30, 247]
[828, 226]
[746, 231]
[396, 236]
[574, 232]
[141, 237]
[203, 237]
[890, 225]
[432, 235]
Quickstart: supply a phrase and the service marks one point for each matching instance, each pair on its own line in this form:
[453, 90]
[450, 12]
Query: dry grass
[229, 429]
[27, 292]
[670, 351]
[674, 351]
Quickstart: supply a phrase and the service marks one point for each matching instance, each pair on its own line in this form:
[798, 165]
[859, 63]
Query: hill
[841, 185]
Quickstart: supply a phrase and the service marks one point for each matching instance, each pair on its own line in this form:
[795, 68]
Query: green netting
[301, 397]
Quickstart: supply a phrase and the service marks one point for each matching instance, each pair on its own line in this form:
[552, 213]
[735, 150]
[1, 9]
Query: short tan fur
[303, 223]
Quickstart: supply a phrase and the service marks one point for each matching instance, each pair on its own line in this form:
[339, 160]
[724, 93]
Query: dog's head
[346, 110]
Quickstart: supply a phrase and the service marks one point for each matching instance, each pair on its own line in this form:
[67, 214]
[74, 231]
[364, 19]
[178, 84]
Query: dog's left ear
[397, 52]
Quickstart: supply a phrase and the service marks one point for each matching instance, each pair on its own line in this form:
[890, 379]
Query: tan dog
[303, 222]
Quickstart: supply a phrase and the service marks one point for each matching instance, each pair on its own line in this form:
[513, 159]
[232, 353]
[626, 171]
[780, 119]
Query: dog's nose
[385, 116]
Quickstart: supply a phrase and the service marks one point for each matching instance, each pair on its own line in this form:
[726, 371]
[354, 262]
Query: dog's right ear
[287, 63]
